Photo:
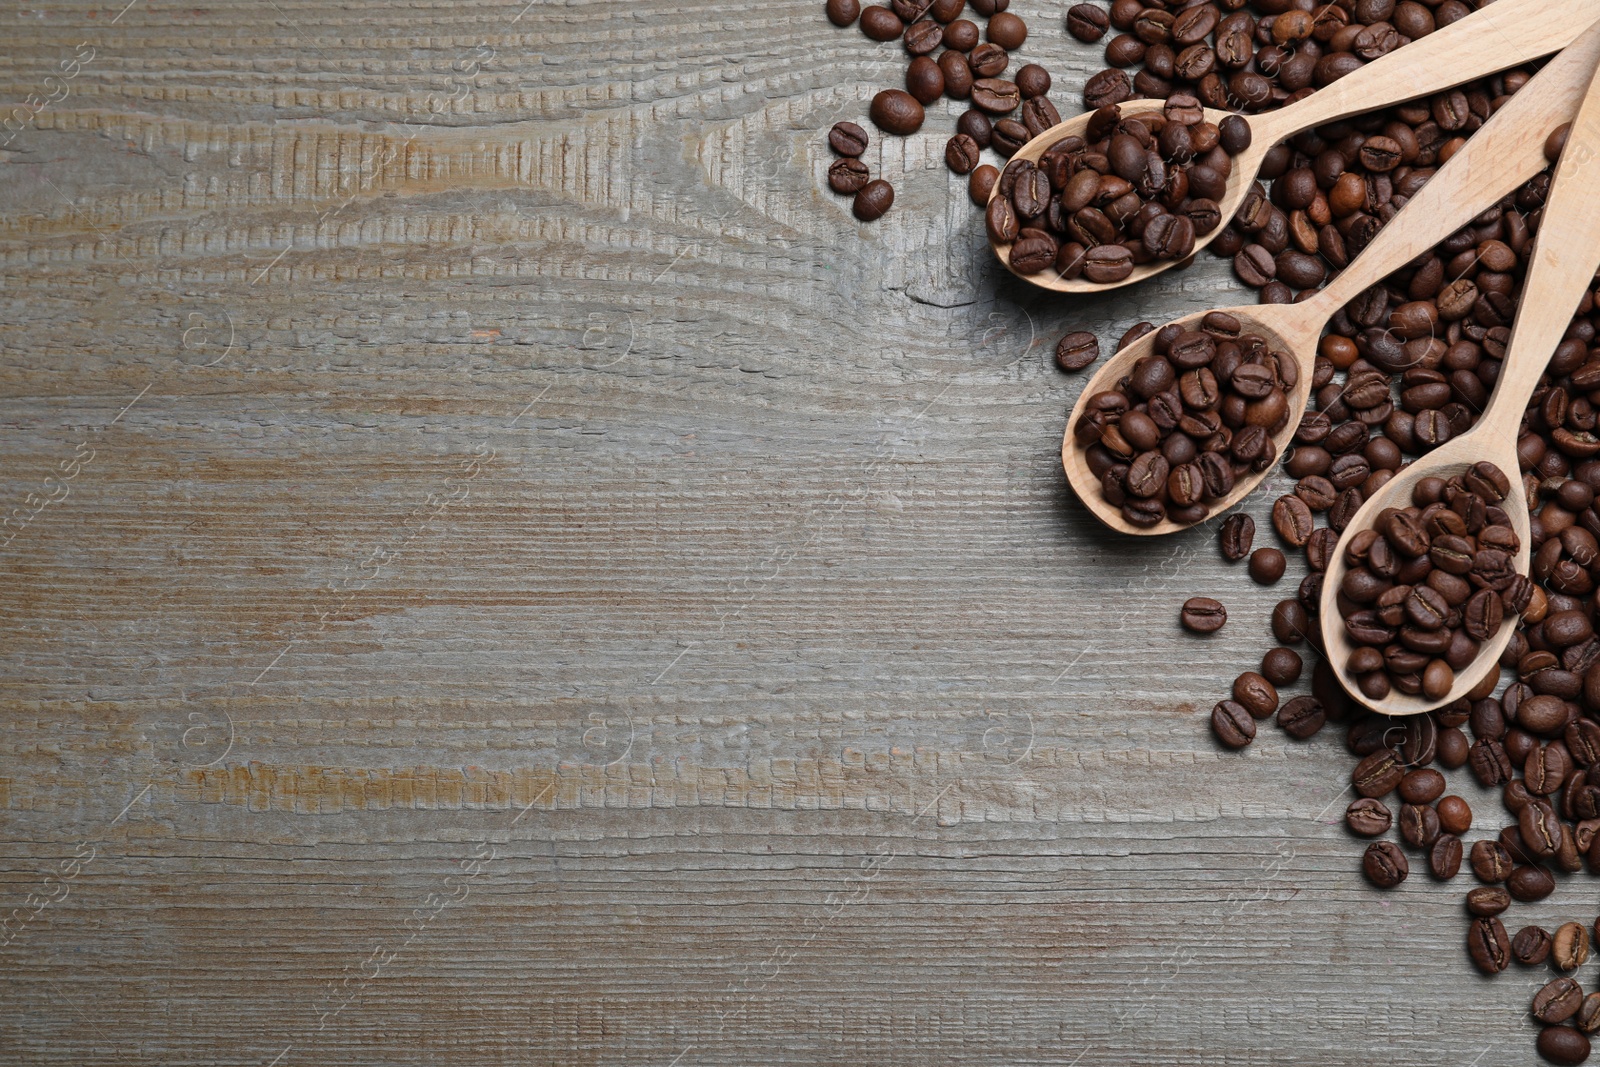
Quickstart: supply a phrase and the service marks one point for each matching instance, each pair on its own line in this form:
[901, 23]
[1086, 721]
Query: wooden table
[503, 569]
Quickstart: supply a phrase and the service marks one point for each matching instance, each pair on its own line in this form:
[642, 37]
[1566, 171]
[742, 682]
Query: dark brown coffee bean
[1202, 615]
[874, 200]
[843, 12]
[1259, 696]
[1293, 520]
[1087, 22]
[897, 111]
[1528, 884]
[1302, 717]
[1444, 859]
[1282, 666]
[1290, 622]
[1419, 825]
[1563, 1045]
[1007, 30]
[1531, 946]
[1267, 566]
[881, 24]
[1378, 774]
[1455, 815]
[1488, 900]
[1368, 817]
[848, 139]
[923, 37]
[1558, 1001]
[996, 95]
[1490, 861]
[1488, 945]
[848, 175]
[925, 78]
[1077, 350]
[1108, 264]
[1385, 865]
[1232, 724]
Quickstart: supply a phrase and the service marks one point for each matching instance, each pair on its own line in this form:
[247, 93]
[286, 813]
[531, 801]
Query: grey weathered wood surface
[574, 484]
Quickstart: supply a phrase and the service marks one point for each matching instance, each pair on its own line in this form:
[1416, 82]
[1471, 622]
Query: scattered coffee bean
[1202, 615]
[1077, 350]
[847, 139]
[1267, 565]
[848, 176]
[1237, 533]
[1531, 946]
[1386, 866]
[1368, 817]
[874, 200]
[897, 111]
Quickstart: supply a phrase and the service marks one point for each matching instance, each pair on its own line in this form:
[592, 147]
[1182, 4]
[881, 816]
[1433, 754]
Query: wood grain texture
[538, 583]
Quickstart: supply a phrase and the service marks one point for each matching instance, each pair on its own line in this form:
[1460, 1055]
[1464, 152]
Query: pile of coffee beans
[1188, 421]
[1131, 190]
[949, 55]
[1430, 583]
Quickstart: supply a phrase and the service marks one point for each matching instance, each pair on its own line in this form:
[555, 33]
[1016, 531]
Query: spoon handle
[1566, 255]
[1505, 153]
[1504, 34]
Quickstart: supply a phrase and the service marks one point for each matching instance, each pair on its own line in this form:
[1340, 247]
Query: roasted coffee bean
[843, 12]
[1563, 1045]
[1569, 947]
[1378, 774]
[881, 24]
[848, 176]
[848, 139]
[1490, 861]
[874, 200]
[1455, 816]
[1233, 724]
[1259, 696]
[1302, 716]
[1419, 825]
[1531, 946]
[1558, 1001]
[1087, 22]
[1293, 520]
[1236, 534]
[1386, 867]
[1444, 858]
[1368, 817]
[1281, 666]
[1202, 615]
[897, 111]
[1530, 883]
[1487, 944]
[1290, 622]
[1077, 350]
[1488, 900]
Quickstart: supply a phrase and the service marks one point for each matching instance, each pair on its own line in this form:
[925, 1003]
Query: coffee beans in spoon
[1191, 418]
[1131, 190]
[1430, 583]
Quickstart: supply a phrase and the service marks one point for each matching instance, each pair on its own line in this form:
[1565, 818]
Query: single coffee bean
[1563, 1045]
[1233, 725]
[1378, 774]
[1419, 825]
[1236, 534]
[1444, 859]
[1087, 22]
[1386, 866]
[897, 111]
[843, 12]
[925, 78]
[1528, 884]
[1368, 817]
[1422, 786]
[1558, 1001]
[1588, 1018]
[1007, 30]
[847, 139]
[1202, 615]
[1488, 900]
[874, 200]
[848, 175]
[1491, 862]
[1301, 717]
[1531, 946]
[1487, 943]
[1292, 519]
[1267, 565]
[1259, 696]
[881, 24]
[1455, 816]
[1289, 622]
[961, 154]
[1077, 350]
[1281, 666]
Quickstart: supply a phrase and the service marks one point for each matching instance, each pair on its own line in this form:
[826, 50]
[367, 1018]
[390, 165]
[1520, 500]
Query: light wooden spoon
[1505, 33]
[1500, 157]
[1566, 255]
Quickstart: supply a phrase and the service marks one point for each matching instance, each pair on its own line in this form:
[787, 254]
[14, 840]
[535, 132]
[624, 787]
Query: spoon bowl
[1246, 166]
[1501, 35]
[1448, 460]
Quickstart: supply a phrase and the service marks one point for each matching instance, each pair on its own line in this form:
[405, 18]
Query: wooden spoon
[1499, 36]
[1565, 257]
[1500, 157]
